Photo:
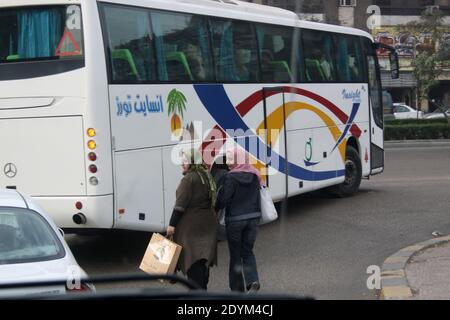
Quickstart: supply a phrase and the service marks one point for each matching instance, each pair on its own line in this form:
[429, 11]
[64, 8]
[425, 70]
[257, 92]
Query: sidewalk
[418, 272]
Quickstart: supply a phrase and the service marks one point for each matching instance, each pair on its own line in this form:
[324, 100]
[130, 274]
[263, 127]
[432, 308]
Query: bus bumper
[98, 211]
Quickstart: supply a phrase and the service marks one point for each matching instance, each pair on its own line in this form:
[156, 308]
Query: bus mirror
[393, 59]
[395, 68]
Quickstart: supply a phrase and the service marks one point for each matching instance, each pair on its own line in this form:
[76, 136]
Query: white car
[403, 111]
[33, 249]
[437, 115]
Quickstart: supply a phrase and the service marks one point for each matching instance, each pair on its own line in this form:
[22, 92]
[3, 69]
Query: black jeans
[199, 273]
[241, 239]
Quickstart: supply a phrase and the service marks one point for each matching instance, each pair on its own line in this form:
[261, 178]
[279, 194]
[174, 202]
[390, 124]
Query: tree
[177, 105]
[430, 51]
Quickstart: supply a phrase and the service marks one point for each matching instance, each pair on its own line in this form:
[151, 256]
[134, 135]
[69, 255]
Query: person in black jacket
[240, 196]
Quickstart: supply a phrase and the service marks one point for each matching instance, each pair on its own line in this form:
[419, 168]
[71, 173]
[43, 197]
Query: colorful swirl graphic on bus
[230, 118]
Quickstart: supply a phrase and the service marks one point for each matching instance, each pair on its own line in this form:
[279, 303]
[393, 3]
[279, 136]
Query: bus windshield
[40, 33]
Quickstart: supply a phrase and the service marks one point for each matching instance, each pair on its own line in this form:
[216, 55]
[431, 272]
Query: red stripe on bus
[249, 103]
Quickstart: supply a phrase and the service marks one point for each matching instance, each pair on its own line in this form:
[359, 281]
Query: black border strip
[36, 69]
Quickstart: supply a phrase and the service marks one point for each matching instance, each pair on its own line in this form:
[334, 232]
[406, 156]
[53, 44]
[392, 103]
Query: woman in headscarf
[193, 223]
[240, 196]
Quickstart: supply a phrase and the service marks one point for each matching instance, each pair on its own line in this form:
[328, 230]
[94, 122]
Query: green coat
[196, 231]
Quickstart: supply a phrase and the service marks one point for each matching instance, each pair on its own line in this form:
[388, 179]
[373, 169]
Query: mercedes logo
[10, 170]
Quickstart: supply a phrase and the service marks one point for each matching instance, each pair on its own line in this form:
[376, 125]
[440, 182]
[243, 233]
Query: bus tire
[353, 174]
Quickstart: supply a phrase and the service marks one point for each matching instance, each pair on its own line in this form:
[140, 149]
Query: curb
[394, 283]
[415, 143]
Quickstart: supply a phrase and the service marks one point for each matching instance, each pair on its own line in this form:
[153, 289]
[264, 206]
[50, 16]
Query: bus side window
[235, 51]
[349, 59]
[182, 47]
[318, 54]
[275, 50]
[129, 43]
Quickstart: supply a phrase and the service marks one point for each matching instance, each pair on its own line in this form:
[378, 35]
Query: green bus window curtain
[39, 32]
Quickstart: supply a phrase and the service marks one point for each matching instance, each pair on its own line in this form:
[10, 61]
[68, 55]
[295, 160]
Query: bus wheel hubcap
[350, 172]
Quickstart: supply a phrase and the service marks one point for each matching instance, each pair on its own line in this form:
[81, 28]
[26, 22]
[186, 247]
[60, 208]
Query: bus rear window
[40, 33]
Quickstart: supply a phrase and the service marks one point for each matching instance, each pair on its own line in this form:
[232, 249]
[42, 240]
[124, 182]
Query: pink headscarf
[241, 163]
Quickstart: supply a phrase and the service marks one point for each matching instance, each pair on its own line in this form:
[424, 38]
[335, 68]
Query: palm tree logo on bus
[176, 107]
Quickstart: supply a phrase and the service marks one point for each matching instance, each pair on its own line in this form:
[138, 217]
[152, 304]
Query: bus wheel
[353, 174]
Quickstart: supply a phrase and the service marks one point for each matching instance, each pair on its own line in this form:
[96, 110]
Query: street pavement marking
[392, 273]
[396, 293]
[413, 248]
[396, 260]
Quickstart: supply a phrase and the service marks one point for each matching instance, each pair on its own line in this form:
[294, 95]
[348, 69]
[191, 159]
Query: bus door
[275, 138]
[376, 106]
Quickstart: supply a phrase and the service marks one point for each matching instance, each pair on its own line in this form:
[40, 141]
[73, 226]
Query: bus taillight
[93, 181]
[92, 156]
[92, 144]
[93, 168]
[91, 132]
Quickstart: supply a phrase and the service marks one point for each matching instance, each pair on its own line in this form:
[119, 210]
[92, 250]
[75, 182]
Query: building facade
[387, 27]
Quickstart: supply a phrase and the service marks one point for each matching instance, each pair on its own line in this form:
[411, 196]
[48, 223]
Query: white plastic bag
[268, 211]
[221, 228]
[221, 217]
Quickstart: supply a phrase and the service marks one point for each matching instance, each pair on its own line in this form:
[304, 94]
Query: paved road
[323, 246]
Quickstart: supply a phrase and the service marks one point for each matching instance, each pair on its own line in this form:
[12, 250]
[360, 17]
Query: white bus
[95, 96]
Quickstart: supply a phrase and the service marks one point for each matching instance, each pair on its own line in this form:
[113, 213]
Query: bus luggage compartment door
[139, 190]
[43, 156]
